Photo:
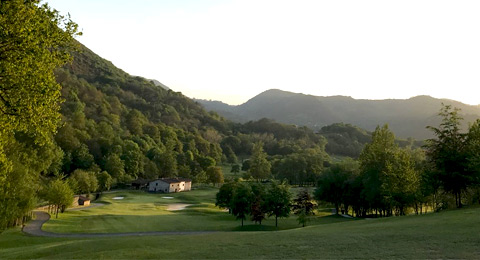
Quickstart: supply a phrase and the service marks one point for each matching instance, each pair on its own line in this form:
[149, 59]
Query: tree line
[388, 180]
[259, 200]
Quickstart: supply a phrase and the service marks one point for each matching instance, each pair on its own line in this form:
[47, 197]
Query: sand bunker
[117, 198]
[177, 206]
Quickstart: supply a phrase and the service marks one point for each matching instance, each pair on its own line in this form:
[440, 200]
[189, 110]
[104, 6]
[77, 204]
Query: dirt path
[34, 228]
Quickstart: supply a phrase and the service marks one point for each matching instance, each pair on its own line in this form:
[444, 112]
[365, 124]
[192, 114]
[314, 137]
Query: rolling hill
[406, 117]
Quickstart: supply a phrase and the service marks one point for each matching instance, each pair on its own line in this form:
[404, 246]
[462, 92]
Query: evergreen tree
[303, 206]
[259, 165]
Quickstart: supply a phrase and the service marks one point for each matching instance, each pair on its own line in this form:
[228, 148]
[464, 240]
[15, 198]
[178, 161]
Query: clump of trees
[58, 194]
[452, 156]
[384, 181]
[389, 180]
[256, 200]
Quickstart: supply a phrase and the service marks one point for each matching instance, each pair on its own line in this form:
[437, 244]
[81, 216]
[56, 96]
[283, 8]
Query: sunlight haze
[233, 50]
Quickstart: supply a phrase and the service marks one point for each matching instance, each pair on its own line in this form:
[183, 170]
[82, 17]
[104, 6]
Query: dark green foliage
[389, 177]
[277, 200]
[241, 201]
[246, 165]
[452, 154]
[345, 139]
[105, 181]
[255, 199]
[334, 185]
[259, 165]
[258, 207]
[235, 168]
[224, 196]
[302, 168]
[303, 206]
[214, 175]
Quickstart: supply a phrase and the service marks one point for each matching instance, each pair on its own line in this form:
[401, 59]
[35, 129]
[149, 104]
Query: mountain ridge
[407, 117]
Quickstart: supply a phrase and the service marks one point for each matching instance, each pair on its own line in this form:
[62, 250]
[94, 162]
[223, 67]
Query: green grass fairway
[452, 234]
[142, 212]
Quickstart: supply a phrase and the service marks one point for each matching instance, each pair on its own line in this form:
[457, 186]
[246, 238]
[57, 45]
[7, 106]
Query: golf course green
[449, 234]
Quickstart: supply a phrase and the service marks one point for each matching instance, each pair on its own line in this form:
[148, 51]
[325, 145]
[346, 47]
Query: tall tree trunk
[456, 199]
[460, 199]
[276, 221]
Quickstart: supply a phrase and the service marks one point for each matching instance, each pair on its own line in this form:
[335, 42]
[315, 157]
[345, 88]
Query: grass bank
[452, 234]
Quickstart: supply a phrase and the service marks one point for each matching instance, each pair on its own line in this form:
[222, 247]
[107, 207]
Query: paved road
[34, 228]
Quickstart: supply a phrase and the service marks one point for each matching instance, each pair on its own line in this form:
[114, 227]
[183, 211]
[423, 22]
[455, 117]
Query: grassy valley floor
[450, 234]
[142, 212]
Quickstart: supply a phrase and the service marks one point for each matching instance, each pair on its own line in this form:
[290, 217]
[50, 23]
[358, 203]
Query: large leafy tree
[59, 194]
[215, 175]
[241, 201]
[473, 151]
[34, 40]
[85, 181]
[224, 196]
[388, 173]
[447, 154]
[277, 200]
[258, 208]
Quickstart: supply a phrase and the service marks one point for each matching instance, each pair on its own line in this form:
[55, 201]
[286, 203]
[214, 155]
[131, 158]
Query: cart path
[34, 228]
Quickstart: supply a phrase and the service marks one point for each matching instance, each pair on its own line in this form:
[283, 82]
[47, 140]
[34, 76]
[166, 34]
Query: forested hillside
[407, 118]
[130, 128]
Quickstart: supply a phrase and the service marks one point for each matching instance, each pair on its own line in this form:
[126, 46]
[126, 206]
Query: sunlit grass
[144, 212]
[451, 234]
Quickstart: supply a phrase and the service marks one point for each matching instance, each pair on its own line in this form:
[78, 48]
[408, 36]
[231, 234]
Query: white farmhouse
[167, 185]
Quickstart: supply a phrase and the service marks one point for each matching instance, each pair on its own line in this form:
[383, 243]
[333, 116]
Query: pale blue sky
[234, 49]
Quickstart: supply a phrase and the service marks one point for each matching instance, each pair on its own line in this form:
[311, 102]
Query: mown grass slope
[142, 212]
[452, 234]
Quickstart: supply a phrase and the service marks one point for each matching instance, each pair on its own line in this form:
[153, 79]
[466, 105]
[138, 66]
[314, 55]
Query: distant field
[452, 234]
[141, 211]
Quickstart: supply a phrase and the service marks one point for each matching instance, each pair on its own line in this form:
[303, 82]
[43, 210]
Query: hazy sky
[234, 49]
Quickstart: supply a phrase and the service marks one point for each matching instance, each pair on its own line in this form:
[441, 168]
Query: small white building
[167, 185]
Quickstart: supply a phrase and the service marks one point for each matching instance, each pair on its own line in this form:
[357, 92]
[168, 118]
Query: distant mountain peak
[406, 117]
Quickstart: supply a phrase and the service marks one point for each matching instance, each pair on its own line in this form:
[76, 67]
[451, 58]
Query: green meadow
[450, 234]
[142, 212]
